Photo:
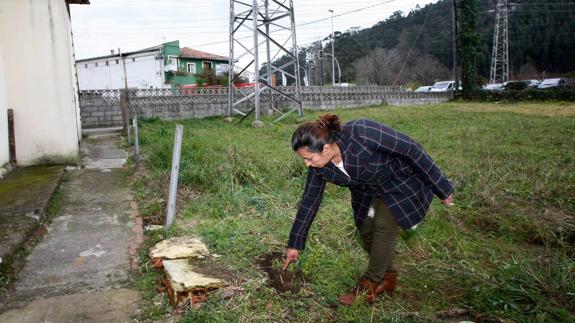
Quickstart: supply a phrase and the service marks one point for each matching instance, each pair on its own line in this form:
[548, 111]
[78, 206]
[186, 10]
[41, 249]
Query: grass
[504, 252]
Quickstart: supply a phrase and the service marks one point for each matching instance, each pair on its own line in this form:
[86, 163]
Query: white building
[145, 70]
[4, 153]
[160, 67]
[38, 81]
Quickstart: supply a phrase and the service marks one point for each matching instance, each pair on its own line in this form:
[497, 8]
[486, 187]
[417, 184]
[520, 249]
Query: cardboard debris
[179, 247]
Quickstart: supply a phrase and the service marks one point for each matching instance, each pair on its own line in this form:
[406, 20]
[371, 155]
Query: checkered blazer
[381, 163]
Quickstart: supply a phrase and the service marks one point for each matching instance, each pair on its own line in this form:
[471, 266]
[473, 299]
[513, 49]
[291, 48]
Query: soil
[281, 280]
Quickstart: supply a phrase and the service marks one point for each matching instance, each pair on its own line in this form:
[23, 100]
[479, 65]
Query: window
[117, 61]
[173, 60]
[107, 63]
[96, 64]
[133, 59]
[191, 68]
[207, 66]
[86, 65]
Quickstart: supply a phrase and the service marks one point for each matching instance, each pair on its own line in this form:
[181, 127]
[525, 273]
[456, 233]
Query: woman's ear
[326, 149]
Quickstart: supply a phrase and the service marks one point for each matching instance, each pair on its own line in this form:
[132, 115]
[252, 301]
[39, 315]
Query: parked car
[531, 83]
[442, 86]
[423, 89]
[493, 87]
[549, 83]
[514, 85]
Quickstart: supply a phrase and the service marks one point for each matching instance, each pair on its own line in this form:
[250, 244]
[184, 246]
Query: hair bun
[330, 122]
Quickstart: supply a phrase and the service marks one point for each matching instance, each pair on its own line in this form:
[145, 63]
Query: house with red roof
[163, 66]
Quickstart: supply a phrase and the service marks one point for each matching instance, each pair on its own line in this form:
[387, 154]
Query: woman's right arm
[309, 205]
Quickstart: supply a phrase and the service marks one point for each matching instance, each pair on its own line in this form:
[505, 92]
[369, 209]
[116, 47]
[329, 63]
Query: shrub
[552, 94]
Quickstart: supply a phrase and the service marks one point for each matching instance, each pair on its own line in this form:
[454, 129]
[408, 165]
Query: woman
[392, 182]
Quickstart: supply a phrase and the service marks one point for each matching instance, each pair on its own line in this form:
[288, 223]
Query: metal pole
[136, 142]
[332, 52]
[255, 17]
[129, 136]
[454, 41]
[174, 176]
[296, 65]
[231, 62]
[269, 57]
[125, 102]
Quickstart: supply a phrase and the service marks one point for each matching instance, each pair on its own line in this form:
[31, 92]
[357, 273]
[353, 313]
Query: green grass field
[505, 251]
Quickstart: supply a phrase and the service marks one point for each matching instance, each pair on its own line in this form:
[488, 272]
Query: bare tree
[384, 67]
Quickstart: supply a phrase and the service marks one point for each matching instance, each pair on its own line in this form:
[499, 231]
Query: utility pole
[332, 52]
[499, 72]
[454, 43]
[124, 98]
[321, 65]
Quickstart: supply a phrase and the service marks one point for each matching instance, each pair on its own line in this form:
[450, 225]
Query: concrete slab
[86, 250]
[24, 195]
[110, 306]
[102, 131]
[184, 278]
[104, 155]
[179, 247]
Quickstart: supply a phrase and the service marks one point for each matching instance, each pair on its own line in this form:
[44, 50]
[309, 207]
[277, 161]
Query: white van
[442, 86]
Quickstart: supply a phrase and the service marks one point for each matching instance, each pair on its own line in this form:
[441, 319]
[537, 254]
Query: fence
[102, 108]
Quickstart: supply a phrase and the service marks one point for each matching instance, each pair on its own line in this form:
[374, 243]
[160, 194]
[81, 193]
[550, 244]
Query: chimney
[112, 51]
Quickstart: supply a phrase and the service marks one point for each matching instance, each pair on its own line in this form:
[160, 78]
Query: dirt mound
[279, 279]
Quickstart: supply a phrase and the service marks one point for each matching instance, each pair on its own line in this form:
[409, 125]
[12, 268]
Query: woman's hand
[291, 256]
[448, 201]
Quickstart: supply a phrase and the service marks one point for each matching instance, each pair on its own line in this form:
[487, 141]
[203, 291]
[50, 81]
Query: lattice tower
[499, 71]
[258, 29]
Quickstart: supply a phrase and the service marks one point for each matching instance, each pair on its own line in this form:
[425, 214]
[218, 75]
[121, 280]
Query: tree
[469, 39]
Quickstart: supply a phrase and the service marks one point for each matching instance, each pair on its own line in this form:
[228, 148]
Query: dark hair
[315, 134]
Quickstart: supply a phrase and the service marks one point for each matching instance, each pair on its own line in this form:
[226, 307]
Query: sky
[204, 25]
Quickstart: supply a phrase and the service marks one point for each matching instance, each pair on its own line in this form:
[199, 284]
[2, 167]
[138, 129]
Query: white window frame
[188, 65]
[176, 60]
[211, 65]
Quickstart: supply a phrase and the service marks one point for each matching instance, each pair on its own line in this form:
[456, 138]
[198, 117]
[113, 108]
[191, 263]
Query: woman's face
[316, 160]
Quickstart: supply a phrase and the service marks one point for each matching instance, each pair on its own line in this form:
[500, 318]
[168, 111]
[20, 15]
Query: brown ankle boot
[389, 282]
[387, 286]
[365, 287]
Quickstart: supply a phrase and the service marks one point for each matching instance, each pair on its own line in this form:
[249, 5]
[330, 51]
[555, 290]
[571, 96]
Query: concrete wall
[99, 111]
[144, 72]
[41, 85]
[4, 154]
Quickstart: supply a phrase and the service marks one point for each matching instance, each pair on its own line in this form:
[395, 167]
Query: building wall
[42, 94]
[4, 153]
[144, 71]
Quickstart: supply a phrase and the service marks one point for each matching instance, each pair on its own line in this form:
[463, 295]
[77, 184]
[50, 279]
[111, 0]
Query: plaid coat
[381, 163]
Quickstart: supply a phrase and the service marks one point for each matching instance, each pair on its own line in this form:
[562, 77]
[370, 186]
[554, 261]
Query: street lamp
[332, 52]
[338, 68]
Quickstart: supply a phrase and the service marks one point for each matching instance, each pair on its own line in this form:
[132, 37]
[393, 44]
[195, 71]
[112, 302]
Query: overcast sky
[204, 25]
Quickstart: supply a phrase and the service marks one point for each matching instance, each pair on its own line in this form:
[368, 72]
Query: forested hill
[541, 39]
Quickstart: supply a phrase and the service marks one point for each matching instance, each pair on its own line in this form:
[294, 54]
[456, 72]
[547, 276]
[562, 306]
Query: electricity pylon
[499, 71]
[260, 27]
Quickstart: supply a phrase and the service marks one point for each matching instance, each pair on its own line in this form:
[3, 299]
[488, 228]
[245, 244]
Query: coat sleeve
[383, 139]
[309, 205]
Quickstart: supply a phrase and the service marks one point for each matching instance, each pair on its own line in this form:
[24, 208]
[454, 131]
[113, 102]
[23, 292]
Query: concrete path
[24, 197]
[80, 271]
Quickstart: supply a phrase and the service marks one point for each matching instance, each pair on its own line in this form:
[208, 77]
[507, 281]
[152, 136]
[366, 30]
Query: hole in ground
[281, 280]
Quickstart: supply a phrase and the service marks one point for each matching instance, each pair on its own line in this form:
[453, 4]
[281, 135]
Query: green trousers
[379, 234]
